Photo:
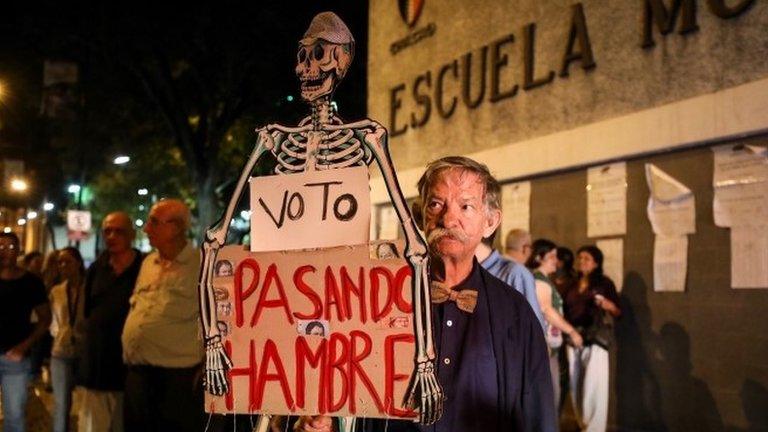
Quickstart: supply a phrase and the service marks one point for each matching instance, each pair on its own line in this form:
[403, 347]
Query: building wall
[709, 79]
[683, 361]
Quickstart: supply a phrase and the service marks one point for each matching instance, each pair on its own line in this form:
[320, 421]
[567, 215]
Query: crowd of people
[126, 330]
[577, 307]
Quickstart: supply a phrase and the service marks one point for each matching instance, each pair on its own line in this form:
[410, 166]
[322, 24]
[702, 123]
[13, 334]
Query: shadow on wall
[637, 388]
[654, 385]
[687, 403]
[754, 398]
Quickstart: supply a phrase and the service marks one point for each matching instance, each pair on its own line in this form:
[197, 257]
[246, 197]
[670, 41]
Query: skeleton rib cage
[338, 149]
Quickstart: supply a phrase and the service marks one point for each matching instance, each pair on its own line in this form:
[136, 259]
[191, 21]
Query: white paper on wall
[515, 207]
[310, 210]
[740, 181]
[613, 260]
[671, 205]
[670, 263]
[607, 200]
[749, 257]
[389, 224]
[741, 204]
[737, 164]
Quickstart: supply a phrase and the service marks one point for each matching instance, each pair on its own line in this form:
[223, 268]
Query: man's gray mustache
[438, 233]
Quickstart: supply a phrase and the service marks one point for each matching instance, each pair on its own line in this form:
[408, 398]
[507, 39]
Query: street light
[143, 191]
[73, 188]
[48, 206]
[18, 185]
[21, 221]
[121, 160]
[139, 223]
[7, 230]
[31, 215]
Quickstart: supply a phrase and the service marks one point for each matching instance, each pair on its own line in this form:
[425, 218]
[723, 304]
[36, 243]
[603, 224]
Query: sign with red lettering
[310, 209]
[316, 332]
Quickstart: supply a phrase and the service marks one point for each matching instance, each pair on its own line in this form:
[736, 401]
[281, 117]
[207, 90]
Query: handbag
[601, 331]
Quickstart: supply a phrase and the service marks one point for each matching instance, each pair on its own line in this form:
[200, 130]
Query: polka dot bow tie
[465, 299]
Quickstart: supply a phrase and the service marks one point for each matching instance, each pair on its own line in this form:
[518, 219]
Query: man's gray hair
[516, 239]
[491, 187]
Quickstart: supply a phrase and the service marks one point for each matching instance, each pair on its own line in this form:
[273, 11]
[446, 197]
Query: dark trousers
[159, 399]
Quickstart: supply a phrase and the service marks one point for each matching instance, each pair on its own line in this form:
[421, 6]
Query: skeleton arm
[424, 390]
[216, 360]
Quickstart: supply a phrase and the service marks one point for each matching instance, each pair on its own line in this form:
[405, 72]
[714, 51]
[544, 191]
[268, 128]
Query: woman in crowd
[51, 270]
[591, 306]
[543, 263]
[66, 301]
[565, 276]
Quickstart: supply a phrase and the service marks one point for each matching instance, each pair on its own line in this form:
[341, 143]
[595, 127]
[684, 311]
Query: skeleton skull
[325, 53]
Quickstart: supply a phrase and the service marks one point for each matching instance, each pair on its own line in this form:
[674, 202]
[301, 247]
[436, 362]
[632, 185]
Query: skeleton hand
[425, 393]
[217, 363]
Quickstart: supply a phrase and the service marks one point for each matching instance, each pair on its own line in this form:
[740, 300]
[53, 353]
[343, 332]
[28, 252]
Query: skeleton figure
[323, 141]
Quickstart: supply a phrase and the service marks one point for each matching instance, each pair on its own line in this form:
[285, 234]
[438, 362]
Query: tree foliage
[180, 89]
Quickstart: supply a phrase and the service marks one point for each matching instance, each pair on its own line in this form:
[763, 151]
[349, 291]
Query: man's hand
[17, 353]
[314, 424]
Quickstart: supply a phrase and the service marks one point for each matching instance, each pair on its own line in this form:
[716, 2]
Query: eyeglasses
[119, 231]
[155, 221]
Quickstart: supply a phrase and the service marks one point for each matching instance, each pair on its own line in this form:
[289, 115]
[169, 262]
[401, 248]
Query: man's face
[528, 249]
[118, 233]
[455, 215]
[162, 227]
[9, 252]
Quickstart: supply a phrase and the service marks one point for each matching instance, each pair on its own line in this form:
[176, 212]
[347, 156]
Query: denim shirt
[516, 276]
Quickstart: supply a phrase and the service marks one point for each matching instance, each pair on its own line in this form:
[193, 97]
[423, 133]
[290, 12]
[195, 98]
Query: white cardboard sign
[310, 210]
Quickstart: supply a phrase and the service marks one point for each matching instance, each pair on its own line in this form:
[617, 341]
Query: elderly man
[161, 347]
[518, 245]
[108, 286]
[491, 355]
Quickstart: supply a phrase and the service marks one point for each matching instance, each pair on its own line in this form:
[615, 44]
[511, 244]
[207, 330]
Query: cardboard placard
[310, 210]
[316, 332]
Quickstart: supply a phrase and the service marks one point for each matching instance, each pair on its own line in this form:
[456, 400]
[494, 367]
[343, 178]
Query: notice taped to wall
[749, 257]
[613, 260]
[388, 223]
[607, 200]
[740, 181]
[515, 207]
[671, 205]
[670, 263]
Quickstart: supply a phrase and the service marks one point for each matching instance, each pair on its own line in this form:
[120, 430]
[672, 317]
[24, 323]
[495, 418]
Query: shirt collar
[492, 259]
[473, 281]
